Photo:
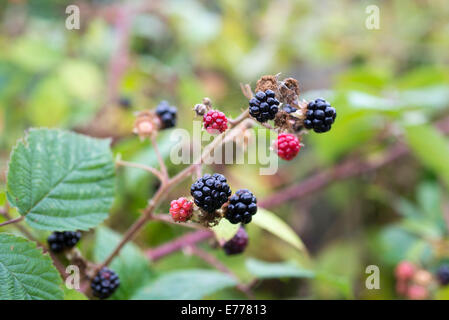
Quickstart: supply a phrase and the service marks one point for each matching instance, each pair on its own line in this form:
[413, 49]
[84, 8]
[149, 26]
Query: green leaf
[72, 294]
[61, 180]
[442, 293]
[131, 264]
[429, 198]
[225, 230]
[267, 270]
[272, 223]
[397, 244]
[82, 79]
[49, 97]
[192, 284]
[25, 272]
[431, 148]
[407, 209]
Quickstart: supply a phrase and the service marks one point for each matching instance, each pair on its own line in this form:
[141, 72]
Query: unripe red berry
[215, 122]
[181, 210]
[287, 146]
[417, 292]
[405, 270]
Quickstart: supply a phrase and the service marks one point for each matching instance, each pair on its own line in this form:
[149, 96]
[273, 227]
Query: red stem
[178, 244]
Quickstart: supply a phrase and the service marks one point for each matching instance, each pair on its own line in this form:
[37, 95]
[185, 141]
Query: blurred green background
[389, 86]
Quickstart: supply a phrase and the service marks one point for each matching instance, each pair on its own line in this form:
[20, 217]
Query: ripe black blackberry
[264, 106]
[319, 116]
[167, 114]
[105, 283]
[238, 243]
[242, 206]
[210, 192]
[443, 274]
[288, 108]
[59, 241]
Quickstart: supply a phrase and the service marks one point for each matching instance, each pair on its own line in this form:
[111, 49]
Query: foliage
[390, 88]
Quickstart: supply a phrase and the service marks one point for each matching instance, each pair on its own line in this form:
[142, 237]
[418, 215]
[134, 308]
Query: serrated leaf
[225, 230]
[131, 264]
[191, 284]
[60, 180]
[25, 272]
[267, 270]
[272, 223]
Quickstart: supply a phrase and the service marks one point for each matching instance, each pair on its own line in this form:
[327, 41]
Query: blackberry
[242, 206]
[320, 116]
[238, 243]
[124, 102]
[443, 275]
[264, 106]
[167, 114]
[59, 241]
[105, 283]
[288, 108]
[210, 192]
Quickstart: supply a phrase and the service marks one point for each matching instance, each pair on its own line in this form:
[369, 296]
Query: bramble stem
[178, 244]
[140, 166]
[12, 221]
[349, 168]
[240, 118]
[168, 219]
[162, 166]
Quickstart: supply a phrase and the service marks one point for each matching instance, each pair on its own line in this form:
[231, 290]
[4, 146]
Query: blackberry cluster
[210, 192]
[238, 243]
[443, 275]
[242, 206]
[319, 116]
[105, 283]
[264, 106]
[288, 108]
[167, 114]
[59, 241]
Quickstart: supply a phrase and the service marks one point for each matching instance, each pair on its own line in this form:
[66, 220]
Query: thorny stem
[214, 262]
